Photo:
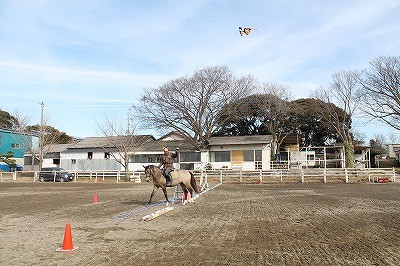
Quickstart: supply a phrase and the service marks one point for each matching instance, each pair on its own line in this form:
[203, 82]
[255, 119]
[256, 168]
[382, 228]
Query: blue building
[16, 143]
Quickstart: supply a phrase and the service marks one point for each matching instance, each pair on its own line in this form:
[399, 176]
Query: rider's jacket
[167, 160]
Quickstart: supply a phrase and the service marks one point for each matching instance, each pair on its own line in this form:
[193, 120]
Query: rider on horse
[167, 161]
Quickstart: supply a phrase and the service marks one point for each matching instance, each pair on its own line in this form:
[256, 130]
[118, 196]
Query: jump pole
[156, 214]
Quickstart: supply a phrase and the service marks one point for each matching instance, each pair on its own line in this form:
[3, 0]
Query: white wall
[81, 157]
[265, 155]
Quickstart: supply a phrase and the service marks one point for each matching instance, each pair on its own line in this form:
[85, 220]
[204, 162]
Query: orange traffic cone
[67, 243]
[95, 198]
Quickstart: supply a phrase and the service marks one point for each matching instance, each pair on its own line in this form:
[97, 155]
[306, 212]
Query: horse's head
[148, 170]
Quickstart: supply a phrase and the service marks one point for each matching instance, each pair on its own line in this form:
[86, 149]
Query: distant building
[51, 157]
[392, 149]
[17, 143]
[251, 152]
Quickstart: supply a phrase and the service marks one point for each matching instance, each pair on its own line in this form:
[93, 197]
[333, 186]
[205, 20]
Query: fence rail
[349, 175]
[84, 176]
[327, 175]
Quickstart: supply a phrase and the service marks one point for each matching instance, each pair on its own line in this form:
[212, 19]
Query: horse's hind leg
[183, 188]
[191, 192]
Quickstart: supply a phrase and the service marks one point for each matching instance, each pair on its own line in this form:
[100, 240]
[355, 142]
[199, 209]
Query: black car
[56, 174]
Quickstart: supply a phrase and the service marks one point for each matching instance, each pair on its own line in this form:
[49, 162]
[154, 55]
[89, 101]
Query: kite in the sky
[245, 31]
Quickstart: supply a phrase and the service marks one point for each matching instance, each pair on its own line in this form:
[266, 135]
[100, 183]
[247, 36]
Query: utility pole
[41, 136]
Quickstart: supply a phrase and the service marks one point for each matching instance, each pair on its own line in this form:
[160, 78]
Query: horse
[184, 178]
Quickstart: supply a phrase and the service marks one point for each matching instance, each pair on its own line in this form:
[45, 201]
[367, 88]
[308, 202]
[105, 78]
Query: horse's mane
[152, 167]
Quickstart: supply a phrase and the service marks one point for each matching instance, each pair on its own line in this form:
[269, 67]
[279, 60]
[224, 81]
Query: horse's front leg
[152, 193]
[165, 193]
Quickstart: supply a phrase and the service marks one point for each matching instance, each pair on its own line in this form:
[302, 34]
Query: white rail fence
[84, 176]
[310, 175]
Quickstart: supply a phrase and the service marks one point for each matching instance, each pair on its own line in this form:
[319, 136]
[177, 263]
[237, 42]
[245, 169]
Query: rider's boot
[168, 180]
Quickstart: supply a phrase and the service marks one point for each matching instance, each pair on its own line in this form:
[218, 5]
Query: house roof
[158, 145]
[234, 140]
[12, 131]
[174, 135]
[53, 148]
[99, 142]
[57, 147]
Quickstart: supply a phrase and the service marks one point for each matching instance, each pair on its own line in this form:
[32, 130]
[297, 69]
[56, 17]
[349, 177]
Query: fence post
[346, 176]
[34, 176]
[241, 178]
[394, 175]
[261, 180]
[369, 175]
[281, 175]
[201, 178]
[14, 175]
[324, 175]
[118, 176]
[220, 176]
[302, 175]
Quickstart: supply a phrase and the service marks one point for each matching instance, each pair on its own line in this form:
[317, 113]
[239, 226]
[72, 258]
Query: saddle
[174, 174]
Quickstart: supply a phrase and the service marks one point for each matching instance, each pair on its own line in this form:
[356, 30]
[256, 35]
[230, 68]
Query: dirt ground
[233, 224]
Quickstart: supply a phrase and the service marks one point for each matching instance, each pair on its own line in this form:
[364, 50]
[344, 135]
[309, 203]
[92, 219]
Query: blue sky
[90, 59]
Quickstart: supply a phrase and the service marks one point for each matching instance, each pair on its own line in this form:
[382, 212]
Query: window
[310, 157]
[15, 145]
[220, 156]
[73, 161]
[248, 156]
[145, 158]
[134, 159]
[258, 155]
[107, 155]
[56, 161]
[189, 157]
[90, 155]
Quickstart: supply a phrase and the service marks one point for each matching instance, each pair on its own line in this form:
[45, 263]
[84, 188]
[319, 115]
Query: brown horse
[184, 178]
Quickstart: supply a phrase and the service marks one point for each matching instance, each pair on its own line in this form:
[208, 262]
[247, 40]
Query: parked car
[57, 174]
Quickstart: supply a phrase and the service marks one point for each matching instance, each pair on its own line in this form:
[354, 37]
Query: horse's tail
[193, 183]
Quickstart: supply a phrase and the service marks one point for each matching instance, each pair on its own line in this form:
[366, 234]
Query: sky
[88, 60]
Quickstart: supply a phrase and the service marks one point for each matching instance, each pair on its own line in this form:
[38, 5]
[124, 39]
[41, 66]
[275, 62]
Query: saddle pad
[174, 174]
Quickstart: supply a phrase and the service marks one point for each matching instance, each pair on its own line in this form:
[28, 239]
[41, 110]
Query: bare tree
[382, 84]
[275, 102]
[393, 138]
[121, 141]
[191, 105]
[378, 144]
[358, 137]
[48, 136]
[342, 97]
[22, 120]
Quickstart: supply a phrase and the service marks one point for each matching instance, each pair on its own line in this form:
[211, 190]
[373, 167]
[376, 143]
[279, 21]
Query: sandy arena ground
[233, 224]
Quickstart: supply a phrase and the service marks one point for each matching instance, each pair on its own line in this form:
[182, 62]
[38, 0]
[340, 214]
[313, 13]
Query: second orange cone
[95, 198]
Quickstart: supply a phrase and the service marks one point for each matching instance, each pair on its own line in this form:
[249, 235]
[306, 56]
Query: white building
[226, 152]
